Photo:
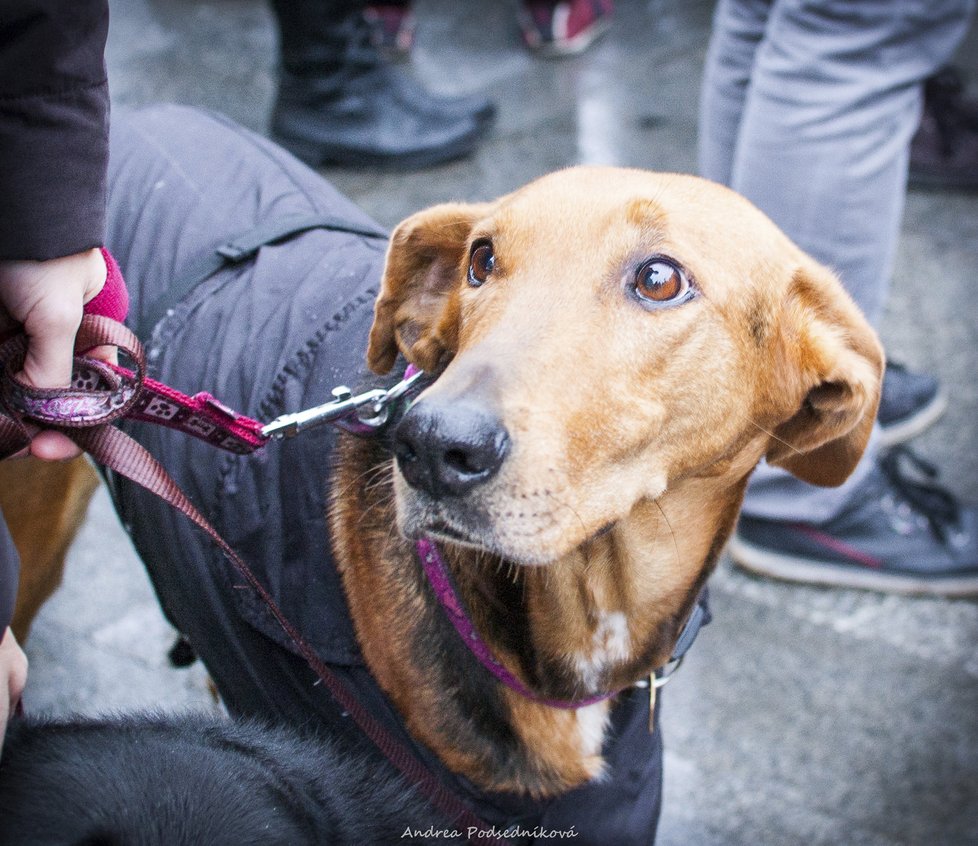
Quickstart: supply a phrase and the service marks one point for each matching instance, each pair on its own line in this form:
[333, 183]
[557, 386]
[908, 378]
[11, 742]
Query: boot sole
[786, 568]
[325, 155]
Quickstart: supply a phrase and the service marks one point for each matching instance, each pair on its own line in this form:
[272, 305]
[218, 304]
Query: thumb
[56, 291]
[51, 345]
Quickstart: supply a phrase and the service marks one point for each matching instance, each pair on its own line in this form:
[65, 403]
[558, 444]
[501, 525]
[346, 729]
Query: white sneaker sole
[899, 433]
[786, 568]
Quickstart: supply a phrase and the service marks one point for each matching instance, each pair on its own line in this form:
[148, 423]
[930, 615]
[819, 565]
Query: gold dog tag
[652, 689]
[650, 684]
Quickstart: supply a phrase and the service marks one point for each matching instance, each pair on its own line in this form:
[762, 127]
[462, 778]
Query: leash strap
[202, 416]
[85, 414]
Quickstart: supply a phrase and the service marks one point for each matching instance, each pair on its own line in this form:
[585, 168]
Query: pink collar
[441, 581]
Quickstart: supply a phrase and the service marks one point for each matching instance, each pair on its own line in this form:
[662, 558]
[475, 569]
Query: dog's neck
[600, 618]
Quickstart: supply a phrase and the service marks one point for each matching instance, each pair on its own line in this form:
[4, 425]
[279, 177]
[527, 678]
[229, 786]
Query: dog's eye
[659, 282]
[481, 263]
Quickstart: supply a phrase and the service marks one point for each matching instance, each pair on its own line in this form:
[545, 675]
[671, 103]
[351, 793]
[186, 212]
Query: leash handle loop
[102, 393]
[98, 393]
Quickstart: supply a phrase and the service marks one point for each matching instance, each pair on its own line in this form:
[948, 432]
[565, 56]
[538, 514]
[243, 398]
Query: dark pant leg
[9, 569]
[316, 36]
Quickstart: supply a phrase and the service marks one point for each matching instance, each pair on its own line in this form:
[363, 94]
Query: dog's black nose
[448, 448]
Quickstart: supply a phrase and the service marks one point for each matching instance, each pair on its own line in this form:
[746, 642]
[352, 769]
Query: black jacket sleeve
[53, 127]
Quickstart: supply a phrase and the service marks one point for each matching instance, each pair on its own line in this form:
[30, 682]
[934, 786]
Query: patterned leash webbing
[101, 394]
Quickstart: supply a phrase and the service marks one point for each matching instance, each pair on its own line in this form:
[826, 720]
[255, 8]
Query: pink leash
[100, 391]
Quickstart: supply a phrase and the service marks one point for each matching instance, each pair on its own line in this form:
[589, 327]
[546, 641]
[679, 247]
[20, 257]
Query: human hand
[13, 677]
[46, 298]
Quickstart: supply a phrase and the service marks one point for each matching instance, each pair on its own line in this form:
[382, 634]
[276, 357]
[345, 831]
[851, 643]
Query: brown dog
[615, 351]
[44, 504]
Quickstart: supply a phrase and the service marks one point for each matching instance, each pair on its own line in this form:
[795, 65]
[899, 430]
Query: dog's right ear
[831, 365]
[417, 310]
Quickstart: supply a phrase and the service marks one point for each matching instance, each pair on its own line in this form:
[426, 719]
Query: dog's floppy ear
[833, 370]
[417, 310]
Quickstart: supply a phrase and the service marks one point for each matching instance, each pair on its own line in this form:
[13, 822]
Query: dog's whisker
[771, 434]
[672, 532]
[346, 490]
[369, 480]
[569, 507]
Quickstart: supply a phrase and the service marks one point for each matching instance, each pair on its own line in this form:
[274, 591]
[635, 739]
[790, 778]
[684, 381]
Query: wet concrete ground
[803, 715]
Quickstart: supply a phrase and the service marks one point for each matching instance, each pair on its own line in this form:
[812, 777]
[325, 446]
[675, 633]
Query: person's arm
[54, 110]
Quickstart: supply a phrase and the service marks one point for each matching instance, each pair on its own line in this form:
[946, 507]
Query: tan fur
[44, 504]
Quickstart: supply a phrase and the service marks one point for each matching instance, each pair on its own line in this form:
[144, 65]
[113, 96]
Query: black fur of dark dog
[193, 780]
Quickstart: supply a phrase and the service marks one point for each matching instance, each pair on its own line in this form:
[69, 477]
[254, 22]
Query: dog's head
[603, 336]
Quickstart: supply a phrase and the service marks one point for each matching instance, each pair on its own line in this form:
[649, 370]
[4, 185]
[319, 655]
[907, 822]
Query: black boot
[339, 102]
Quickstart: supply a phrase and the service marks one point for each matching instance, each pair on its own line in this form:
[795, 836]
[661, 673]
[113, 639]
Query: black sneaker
[944, 151]
[903, 534]
[910, 402]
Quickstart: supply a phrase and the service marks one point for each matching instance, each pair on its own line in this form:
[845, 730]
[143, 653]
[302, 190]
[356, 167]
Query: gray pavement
[802, 716]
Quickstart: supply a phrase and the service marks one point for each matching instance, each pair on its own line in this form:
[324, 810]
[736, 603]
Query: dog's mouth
[474, 524]
[435, 523]
[475, 491]
[442, 530]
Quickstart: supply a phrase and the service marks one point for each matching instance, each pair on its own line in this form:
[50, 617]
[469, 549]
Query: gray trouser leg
[808, 109]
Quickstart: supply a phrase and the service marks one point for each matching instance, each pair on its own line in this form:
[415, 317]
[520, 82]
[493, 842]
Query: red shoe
[392, 27]
[564, 28]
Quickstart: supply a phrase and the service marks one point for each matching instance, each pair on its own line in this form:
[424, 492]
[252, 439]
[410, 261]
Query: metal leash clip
[358, 413]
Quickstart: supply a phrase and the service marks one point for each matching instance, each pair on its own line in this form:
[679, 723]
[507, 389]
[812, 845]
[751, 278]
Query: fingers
[51, 344]
[47, 298]
[13, 679]
[49, 445]
[107, 354]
